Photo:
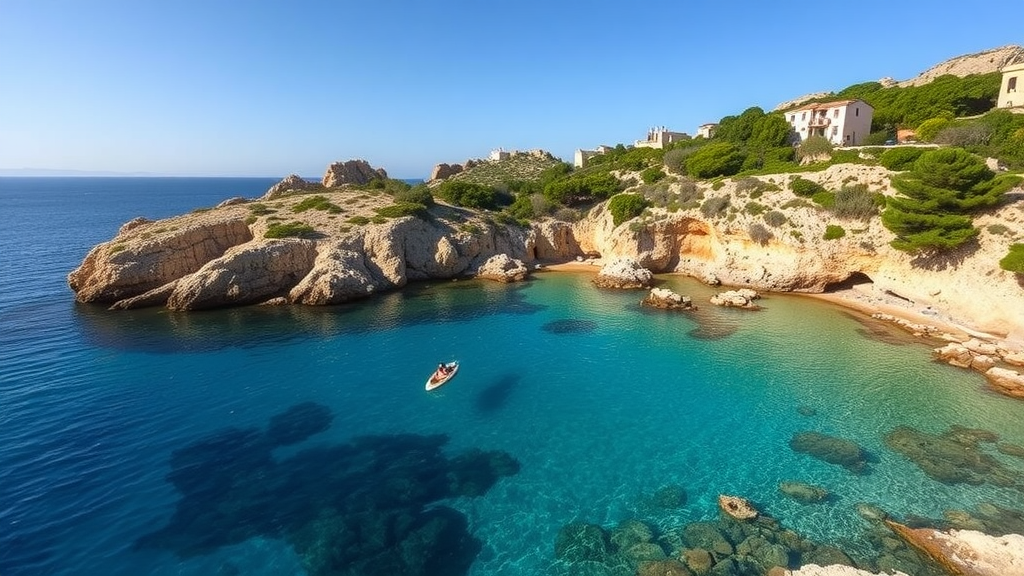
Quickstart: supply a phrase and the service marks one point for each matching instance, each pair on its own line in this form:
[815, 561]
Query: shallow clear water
[600, 411]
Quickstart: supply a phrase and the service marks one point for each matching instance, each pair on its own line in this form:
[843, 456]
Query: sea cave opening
[851, 281]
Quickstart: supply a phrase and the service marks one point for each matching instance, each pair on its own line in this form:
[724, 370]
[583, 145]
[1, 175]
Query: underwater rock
[806, 411]
[579, 541]
[298, 423]
[667, 300]
[765, 554]
[871, 512]
[630, 532]
[737, 507]
[837, 570]
[698, 559]
[669, 497]
[826, 556]
[669, 567]
[803, 493]
[706, 535]
[643, 551]
[570, 326]
[1011, 449]
[953, 457]
[367, 507]
[832, 450]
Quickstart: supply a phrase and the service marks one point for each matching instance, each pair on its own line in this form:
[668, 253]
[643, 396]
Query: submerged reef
[365, 507]
[833, 450]
[954, 456]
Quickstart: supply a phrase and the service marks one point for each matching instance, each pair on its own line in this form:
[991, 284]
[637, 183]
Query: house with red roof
[842, 122]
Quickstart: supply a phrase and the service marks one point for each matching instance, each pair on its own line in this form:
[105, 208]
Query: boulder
[667, 299]
[291, 182]
[234, 201]
[1014, 358]
[669, 567]
[742, 298]
[338, 275]
[132, 225]
[502, 268]
[442, 171]
[803, 493]
[737, 507]
[967, 552]
[580, 542]
[246, 274]
[698, 559]
[830, 449]
[955, 354]
[623, 273]
[356, 172]
[1006, 381]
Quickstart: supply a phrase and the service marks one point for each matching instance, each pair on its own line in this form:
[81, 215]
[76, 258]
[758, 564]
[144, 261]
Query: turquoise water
[599, 415]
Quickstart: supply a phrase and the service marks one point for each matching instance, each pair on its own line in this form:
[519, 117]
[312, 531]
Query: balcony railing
[819, 122]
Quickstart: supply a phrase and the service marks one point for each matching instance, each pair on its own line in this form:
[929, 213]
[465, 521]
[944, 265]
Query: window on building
[835, 130]
[856, 111]
[835, 113]
[1011, 84]
[803, 115]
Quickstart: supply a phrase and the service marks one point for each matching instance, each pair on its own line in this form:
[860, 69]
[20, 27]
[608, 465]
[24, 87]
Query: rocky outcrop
[119, 269]
[833, 570]
[966, 552]
[742, 298]
[235, 201]
[666, 299]
[737, 507]
[357, 172]
[502, 268]
[1009, 382]
[979, 63]
[442, 171]
[290, 183]
[623, 273]
[803, 493]
[245, 274]
[339, 275]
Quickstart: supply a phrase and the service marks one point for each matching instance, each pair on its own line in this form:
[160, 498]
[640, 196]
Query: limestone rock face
[1006, 381]
[502, 268]
[623, 273]
[289, 183]
[967, 552]
[245, 274]
[234, 201]
[338, 275]
[556, 241]
[118, 269]
[133, 224]
[442, 171]
[351, 172]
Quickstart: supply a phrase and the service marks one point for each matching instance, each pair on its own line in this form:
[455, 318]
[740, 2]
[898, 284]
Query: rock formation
[442, 171]
[290, 183]
[1009, 382]
[502, 268]
[833, 570]
[982, 62]
[737, 507]
[742, 298]
[623, 273]
[667, 299]
[351, 172]
[967, 552]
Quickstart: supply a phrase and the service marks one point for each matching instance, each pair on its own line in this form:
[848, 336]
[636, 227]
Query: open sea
[152, 442]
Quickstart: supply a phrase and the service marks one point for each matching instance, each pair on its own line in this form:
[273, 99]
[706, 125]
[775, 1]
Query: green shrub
[419, 194]
[251, 220]
[901, 158]
[754, 208]
[806, 188]
[997, 229]
[855, 202]
[775, 218]
[758, 233]
[625, 207]
[965, 135]
[652, 174]
[927, 130]
[521, 208]
[289, 230]
[814, 146]
[1014, 259]
[258, 209]
[400, 209]
[718, 185]
[581, 188]
[468, 194]
[358, 220]
[833, 232]
[714, 206]
[317, 202]
[825, 199]
[719, 159]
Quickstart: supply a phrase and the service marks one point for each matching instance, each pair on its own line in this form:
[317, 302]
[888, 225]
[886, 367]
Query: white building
[843, 123]
[582, 156]
[707, 130]
[499, 154]
[660, 137]
[1011, 91]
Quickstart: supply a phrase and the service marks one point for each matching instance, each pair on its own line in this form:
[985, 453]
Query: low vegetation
[1014, 260]
[625, 207]
[289, 230]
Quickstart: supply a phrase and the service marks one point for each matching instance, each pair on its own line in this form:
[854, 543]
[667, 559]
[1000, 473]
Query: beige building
[707, 130]
[660, 137]
[843, 122]
[1011, 91]
[582, 156]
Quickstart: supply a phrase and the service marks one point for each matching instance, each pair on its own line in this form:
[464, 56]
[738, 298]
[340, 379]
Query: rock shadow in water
[954, 456]
[839, 451]
[570, 326]
[495, 396]
[364, 507]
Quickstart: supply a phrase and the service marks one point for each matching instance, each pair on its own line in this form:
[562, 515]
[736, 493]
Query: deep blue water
[600, 402]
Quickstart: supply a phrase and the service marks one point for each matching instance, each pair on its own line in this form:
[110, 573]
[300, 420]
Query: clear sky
[268, 88]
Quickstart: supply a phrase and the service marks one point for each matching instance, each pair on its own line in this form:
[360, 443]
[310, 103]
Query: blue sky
[269, 88]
